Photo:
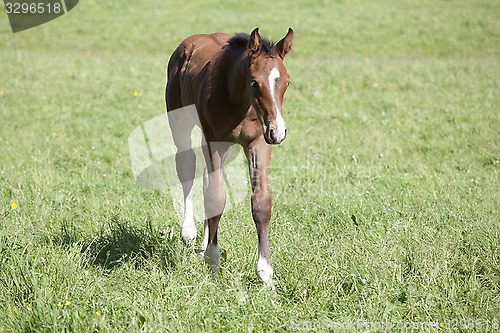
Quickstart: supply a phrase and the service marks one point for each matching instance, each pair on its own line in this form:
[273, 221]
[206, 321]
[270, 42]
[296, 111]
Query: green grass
[385, 193]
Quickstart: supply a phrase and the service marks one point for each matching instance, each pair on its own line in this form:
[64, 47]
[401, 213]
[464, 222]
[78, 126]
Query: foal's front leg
[259, 154]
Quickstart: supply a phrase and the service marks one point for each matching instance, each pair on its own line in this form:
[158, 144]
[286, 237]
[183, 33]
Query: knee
[215, 200]
[185, 156]
[185, 162]
[261, 207]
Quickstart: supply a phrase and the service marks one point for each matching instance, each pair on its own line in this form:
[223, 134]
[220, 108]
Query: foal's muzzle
[272, 136]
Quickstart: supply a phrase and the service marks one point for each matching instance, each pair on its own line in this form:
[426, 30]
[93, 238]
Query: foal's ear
[285, 45]
[254, 42]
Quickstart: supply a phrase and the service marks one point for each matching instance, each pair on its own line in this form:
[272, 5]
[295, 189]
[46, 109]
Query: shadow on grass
[119, 242]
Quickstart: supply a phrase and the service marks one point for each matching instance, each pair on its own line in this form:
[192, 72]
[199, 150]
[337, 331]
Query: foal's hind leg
[181, 126]
[214, 199]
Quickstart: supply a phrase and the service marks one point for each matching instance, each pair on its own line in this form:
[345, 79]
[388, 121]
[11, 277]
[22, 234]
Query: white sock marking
[204, 243]
[264, 270]
[188, 230]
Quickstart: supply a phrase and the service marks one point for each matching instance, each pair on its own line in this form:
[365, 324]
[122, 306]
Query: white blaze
[280, 123]
[273, 75]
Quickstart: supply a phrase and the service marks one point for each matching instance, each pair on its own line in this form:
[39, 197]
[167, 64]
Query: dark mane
[240, 40]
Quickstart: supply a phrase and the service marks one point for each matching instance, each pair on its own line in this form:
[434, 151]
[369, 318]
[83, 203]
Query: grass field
[385, 193]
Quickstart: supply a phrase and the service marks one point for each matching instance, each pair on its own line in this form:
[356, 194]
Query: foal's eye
[255, 84]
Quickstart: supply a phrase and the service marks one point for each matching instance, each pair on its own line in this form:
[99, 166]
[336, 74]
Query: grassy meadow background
[385, 193]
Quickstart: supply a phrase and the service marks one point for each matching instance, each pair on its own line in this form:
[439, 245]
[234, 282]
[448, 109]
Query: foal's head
[267, 82]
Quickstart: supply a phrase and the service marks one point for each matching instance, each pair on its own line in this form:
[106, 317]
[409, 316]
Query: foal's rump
[187, 68]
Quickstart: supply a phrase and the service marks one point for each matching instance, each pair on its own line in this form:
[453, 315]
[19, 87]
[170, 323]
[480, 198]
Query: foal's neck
[237, 83]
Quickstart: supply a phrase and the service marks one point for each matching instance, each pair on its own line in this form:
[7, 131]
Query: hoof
[264, 271]
[211, 257]
[270, 286]
[188, 235]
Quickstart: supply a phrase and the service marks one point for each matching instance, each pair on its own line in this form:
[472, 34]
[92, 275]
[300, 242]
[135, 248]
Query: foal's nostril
[271, 135]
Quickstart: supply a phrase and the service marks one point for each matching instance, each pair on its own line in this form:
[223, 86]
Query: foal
[237, 85]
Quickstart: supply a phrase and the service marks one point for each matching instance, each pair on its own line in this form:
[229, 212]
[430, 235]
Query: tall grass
[385, 193]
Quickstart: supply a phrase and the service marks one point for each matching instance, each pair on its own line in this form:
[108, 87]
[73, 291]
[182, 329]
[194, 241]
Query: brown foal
[237, 85]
